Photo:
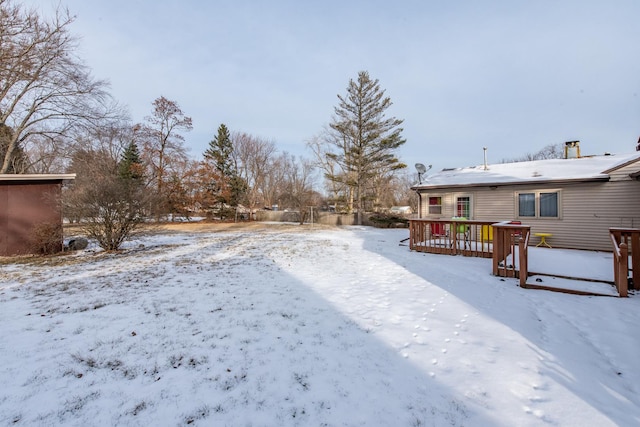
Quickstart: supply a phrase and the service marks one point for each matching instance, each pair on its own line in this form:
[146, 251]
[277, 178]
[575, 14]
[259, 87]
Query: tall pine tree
[365, 140]
[219, 152]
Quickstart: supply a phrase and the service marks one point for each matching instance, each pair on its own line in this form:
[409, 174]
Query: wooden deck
[507, 244]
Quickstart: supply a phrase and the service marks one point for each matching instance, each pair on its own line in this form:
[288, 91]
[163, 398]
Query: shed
[28, 202]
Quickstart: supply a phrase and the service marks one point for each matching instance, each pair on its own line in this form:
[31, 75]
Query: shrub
[383, 220]
[46, 239]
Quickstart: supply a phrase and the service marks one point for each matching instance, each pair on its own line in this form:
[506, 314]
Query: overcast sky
[512, 76]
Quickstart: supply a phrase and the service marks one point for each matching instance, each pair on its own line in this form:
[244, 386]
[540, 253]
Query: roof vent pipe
[486, 167]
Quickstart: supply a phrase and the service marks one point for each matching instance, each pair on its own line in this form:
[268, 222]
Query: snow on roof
[37, 177]
[583, 168]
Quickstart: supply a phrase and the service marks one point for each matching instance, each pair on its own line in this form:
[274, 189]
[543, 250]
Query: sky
[294, 325]
[511, 76]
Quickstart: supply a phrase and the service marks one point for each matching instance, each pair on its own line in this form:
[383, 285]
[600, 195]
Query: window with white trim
[463, 207]
[539, 204]
[435, 205]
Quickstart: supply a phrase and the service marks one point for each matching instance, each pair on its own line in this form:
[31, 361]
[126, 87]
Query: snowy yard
[306, 326]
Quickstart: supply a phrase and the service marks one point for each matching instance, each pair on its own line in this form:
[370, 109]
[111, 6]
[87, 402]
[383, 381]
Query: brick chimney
[572, 149]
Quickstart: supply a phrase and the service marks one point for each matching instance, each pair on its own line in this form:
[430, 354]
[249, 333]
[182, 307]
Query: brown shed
[26, 203]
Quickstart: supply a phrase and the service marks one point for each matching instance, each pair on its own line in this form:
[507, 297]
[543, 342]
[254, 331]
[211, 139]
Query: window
[463, 207]
[549, 205]
[526, 204]
[435, 205]
[539, 204]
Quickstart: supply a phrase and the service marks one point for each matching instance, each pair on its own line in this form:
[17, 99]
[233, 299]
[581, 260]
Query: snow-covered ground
[312, 327]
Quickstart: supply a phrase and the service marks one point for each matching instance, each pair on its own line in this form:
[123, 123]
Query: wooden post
[623, 271]
[496, 250]
[635, 259]
[524, 268]
[616, 270]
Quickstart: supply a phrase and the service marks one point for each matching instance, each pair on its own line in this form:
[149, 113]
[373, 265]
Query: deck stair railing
[626, 258]
[505, 242]
[510, 255]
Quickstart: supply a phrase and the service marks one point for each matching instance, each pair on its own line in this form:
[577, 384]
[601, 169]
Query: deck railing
[452, 237]
[505, 242]
[511, 254]
[626, 252]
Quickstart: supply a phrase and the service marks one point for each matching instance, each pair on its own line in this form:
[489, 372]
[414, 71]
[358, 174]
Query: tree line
[56, 117]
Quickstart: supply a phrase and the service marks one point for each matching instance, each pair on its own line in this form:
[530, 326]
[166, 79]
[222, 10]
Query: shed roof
[37, 177]
[589, 168]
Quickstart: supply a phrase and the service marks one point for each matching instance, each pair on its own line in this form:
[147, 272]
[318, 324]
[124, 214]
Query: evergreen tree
[238, 187]
[365, 140]
[219, 152]
[130, 166]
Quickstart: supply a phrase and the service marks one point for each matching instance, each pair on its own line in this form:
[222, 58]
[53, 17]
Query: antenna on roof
[422, 169]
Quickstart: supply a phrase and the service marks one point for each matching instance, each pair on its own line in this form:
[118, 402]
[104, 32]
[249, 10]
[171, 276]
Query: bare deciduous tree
[252, 157]
[337, 189]
[45, 89]
[551, 151]
[163, 144]
[108, 206]
[298, 184]
[272, 186]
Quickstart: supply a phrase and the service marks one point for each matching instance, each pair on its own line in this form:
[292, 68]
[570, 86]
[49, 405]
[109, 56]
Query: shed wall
[23, 207]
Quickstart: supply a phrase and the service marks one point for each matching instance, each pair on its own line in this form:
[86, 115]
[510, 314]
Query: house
[401, 210]
[28, 202]
[575, 199]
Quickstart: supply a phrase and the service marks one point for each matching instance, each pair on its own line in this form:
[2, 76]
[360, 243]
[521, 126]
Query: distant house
[401, 210]
[575, 199]
[26, 203]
